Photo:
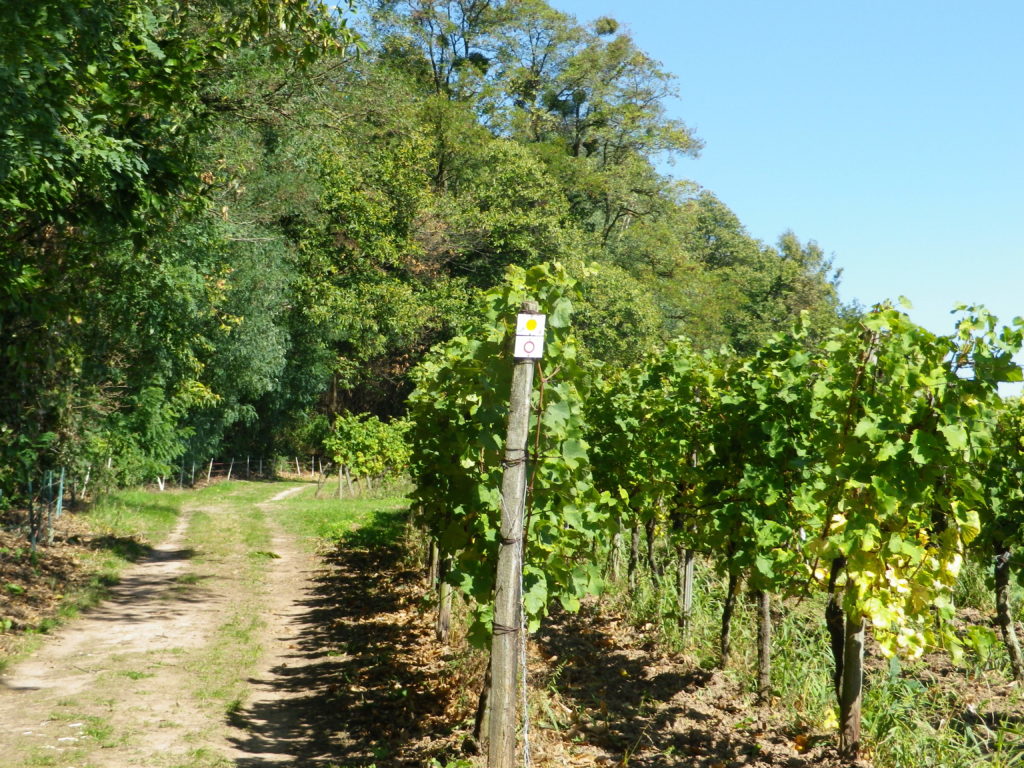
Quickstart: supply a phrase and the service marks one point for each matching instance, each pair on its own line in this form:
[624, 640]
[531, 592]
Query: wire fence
[35, 506]
[45, 505]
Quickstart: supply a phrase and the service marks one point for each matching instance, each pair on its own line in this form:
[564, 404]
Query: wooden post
[725, 640]
[684, 588]
[433, 563]
[444, 603]
[209, 472]
[611, 568]
[33, 526]
[634, 557]
[60, 495]
[508, 620]
[231, 467]
[49, 508]
[248, 472]
[764, 645]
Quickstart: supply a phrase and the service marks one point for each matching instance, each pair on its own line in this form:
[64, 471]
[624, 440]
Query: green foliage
[368, 446]
[903, 429]
[459, 414]
[104, 108]
[761, 480]
[220, 208]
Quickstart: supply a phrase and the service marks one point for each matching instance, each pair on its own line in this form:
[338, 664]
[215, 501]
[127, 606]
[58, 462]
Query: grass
[227, 530]
[124, 525]
[228, 534]
[379, 516]
[913, 716]
[143, 516]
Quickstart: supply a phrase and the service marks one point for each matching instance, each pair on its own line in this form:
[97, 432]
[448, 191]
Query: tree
[103, 108]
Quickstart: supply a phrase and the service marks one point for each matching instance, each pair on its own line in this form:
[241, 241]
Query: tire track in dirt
[113, 689]
[62, 698]
[271, 740]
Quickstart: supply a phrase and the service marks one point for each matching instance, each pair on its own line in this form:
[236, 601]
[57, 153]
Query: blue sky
[892, 133]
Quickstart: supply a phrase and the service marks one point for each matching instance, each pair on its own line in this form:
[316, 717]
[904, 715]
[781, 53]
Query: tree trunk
[634, 557]
[764, 645]
[684, 587]
[852, 689]
[727, 611]
[483, 713]
[835, 622]
[1004, 615]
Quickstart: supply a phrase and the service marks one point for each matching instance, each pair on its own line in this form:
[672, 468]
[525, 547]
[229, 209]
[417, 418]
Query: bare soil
[117, 687]
[351, 675]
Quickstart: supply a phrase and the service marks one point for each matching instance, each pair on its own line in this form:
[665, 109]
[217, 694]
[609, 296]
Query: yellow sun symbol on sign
[531, 324]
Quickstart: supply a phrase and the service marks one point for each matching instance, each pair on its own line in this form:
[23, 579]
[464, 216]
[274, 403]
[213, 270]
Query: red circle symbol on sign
[528, 347]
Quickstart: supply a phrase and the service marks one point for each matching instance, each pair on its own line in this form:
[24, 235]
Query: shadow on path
[360, 682]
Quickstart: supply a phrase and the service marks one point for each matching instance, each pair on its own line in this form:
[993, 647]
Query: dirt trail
[117, 687]
[259, 741]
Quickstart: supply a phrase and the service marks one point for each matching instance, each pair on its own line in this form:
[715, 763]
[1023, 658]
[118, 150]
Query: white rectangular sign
[529, 324]
[529, 336]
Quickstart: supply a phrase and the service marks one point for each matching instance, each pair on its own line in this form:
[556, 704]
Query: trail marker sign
[529, 335]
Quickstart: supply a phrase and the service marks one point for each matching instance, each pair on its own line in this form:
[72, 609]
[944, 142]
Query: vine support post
[634, 556]
[60, 494]
[762, 600]
[725, 640]
[433, 563]
[444, 602]
[507, 633]
[684, 587]
[32, 527]
[49, 507]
